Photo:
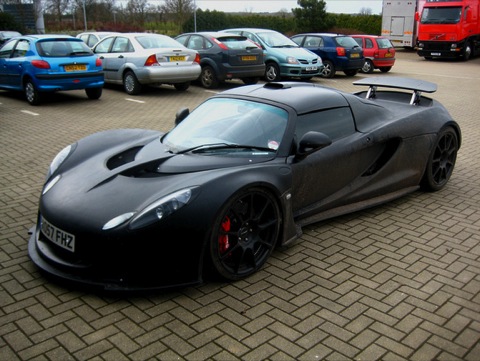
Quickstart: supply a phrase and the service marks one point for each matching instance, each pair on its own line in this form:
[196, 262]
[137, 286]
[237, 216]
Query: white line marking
[29, 112]
[134, 100]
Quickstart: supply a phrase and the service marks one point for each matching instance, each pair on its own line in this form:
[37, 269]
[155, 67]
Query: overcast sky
[333, 6]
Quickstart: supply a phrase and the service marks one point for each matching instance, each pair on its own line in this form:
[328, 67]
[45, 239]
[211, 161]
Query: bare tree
[366, 11]
[179, 9]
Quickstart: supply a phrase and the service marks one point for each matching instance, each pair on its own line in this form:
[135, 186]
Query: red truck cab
[449, 29]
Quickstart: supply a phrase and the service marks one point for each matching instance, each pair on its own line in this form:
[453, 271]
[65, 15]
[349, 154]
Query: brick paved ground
[400, 281]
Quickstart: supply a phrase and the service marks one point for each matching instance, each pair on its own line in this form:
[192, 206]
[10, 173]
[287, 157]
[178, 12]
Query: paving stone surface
[396, 282]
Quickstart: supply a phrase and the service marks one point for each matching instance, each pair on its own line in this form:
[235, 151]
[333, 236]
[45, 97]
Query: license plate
[435, 54]
[75, 67]
[177, 58]
[58, 236]
[355, 55]
[249, 58]
[311, 68]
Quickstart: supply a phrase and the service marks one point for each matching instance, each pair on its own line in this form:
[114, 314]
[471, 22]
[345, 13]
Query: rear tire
[31, 93]
[250, 81]
[94, 93]
[351, 72]
[441, 161]
[131, 84]
[385, 69]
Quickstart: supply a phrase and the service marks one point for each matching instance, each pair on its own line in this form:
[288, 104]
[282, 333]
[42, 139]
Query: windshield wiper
[206, 147]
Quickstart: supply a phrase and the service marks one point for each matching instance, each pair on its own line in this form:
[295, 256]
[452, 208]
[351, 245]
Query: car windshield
[443, 15]
[229, 126]
[60, 48]
[276, 40]
[155, 41]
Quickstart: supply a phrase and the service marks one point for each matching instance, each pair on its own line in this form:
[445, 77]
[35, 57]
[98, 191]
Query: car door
[5, 55]
[14, 65]
[326, 177]
[111, 58]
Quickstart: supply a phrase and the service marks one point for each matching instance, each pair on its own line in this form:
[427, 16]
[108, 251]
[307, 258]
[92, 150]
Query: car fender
[209, 62]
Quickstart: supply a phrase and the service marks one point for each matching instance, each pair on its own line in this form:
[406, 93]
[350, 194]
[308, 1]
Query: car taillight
[151, 60]
[40, 64]
[220, 44]
[341, 51]
[98, 62]
[197, 59]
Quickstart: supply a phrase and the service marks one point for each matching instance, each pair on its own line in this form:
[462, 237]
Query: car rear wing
[418, 86]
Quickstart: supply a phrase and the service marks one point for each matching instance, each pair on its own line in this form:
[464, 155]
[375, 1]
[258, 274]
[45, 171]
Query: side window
[195, 42]
[182, 40]
[104, 46]
[298, 40]
[22, 47]
[368, 43]
[336, 123]
[6, 50]
[92, 40]
[313, 42]
[359, 42]
[120, 45]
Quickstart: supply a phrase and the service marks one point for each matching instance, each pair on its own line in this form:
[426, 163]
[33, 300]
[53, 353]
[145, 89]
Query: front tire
[441, 161]
[368, 66]
[272, 72]
[31, 93]
[467, 52]
[328, 70]
[131, 84]
[182, 86]
[245, 234]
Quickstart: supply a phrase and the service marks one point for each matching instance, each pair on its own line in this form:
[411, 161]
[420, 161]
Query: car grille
[306, 62]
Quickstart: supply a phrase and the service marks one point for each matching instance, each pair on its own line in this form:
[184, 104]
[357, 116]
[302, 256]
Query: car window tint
[6, 50]
[21, 49]
[152, 42]
[121, 45]
[336, 123]
[346, 41]
[384, 43]
[313, 42]
[104, 45]
[195, 42]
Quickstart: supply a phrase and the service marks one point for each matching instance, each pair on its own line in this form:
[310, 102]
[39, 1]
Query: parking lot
[396, 282]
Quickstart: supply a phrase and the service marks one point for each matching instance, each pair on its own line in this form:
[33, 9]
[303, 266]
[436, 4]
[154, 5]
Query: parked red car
[378, 51]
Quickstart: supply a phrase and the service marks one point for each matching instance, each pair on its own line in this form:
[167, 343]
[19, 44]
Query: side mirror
[311, 142]
[181, 115]
[417, 16]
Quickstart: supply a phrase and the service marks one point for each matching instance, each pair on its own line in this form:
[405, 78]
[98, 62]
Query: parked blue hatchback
[338, 52]
[41, 64]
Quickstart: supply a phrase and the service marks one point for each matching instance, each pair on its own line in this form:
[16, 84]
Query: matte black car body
[224, 56]
[338, 52]
[337, 153]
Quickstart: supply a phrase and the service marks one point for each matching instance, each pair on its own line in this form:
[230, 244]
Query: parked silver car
[138, 59]
[93, 37]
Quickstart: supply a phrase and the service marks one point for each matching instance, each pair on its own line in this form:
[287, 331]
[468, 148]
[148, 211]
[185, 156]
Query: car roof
[50, 36]
[332, 35]
[253, 30]
[215, 34]
[366, 36]
[301, 96]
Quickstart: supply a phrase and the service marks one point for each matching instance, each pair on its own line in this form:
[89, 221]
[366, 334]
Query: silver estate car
[138, 59]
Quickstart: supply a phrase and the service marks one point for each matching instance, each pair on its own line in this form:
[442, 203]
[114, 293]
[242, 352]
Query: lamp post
[195, 15]
[84, 15]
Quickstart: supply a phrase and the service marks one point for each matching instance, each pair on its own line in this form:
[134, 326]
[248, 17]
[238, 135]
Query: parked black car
[338, 52]
[225, 56]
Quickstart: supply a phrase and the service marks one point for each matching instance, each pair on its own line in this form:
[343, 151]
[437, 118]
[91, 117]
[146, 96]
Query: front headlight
[161, 208]
[292, 60]
[59, 159]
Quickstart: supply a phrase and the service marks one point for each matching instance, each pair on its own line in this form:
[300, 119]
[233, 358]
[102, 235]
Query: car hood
[299, 53]
[111, 174]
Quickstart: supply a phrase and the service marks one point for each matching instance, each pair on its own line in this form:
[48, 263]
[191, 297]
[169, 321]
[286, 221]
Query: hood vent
[122, 158]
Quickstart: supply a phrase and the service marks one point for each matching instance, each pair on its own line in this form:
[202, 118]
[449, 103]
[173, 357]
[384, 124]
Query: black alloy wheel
[442, 160]
[245, 234]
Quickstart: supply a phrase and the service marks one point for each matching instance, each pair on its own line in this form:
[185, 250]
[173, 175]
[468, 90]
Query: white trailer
[398, 21]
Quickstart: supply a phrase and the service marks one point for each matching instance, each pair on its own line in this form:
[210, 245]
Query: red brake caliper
[223, 243]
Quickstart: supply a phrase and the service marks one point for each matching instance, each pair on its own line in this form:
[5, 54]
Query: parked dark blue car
[41, 64]
[338, 52]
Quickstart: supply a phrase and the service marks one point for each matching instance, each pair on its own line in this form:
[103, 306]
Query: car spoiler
[418, 86]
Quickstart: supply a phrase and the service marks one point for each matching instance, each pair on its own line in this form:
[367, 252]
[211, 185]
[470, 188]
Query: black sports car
[242, 173]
